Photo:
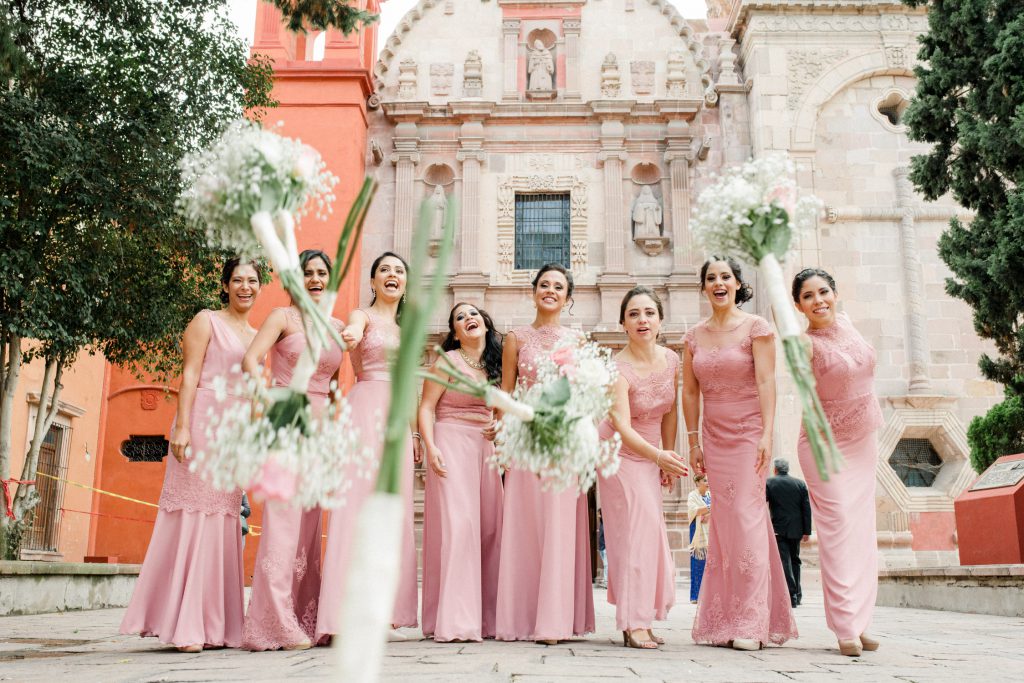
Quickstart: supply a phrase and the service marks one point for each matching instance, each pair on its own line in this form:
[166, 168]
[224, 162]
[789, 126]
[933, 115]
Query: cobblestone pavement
[917, 645]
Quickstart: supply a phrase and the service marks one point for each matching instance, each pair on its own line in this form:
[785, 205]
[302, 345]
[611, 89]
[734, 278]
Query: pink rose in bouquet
[274, 483]
[784, 195]
[565, 359]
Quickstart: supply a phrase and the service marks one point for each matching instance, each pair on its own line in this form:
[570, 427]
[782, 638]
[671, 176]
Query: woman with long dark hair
[282, 611]
[844, 507]
[463, 497]
[729, 360]
[189, 593]
[544, 582]
[372, 334]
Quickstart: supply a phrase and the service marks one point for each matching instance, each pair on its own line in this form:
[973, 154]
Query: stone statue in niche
[646, 214]
[438, 203]
[540, 68]
[473, 75]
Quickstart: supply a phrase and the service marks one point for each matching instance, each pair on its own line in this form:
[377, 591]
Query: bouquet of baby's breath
[560, 444]
[752, 212]
[245, 191]
[308, 461]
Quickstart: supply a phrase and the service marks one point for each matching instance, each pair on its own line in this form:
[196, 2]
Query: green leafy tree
[103, 98]
[970, 106]
[300, 15]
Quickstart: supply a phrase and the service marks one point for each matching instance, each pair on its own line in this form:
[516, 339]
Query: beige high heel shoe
[629, 641]
[868, 643]
[745, 644]
[190, 648]
[850, 648]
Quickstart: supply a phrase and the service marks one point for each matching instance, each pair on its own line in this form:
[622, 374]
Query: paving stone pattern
[917, 645]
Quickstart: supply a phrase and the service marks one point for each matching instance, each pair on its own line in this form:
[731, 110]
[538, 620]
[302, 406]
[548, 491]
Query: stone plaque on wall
[441, 79]
[642, 77]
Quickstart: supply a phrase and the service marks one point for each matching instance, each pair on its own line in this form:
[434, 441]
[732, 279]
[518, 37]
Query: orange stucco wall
[324, 104]
[80, 394]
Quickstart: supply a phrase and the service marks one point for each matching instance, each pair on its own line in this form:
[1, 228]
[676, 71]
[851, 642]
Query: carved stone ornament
[578, 200]
[641, 75]
[506, 200]
[896, 56]
[149, 400]
[505, 258]
[473, 75]
[836, 23]
[727, 63]
[675, 81]
[540, 181]
[719, 8]
[407, 79]
[611, 82]
[803, 67]
[441, 79]
[579, 257]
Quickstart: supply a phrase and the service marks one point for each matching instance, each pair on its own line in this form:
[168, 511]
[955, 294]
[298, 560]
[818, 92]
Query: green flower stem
[819, 431]
[419, 305]
[350, 233]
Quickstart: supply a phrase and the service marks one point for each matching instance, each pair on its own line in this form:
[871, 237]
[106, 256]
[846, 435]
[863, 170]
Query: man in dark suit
[790, 508]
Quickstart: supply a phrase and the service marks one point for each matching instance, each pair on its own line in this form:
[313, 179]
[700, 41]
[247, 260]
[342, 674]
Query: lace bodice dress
[182, 489]
[370, 357]
[534, 343]
[650, 397]
[743, 593]
[285, 354]
[844, 370]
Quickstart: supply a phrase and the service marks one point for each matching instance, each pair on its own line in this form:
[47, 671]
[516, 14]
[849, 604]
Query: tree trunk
[10, 368]
[49, 404]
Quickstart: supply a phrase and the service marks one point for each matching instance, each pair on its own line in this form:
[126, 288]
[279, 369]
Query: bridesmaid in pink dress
[641, 573]
[286, 584]
[462, 502]
[544, 581]
[844, 506]
[729, 359]
[372, 334]
[189, 593]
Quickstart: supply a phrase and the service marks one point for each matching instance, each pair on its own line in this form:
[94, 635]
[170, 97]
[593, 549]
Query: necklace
[475, 364]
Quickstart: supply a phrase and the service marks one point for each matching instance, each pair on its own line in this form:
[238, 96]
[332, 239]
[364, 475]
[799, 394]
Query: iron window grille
[542, 230]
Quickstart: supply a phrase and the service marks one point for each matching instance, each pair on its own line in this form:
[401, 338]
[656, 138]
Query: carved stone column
[917, 337]
[571, 29]
[683, 302]
[405, 157]
[510, 36]
[470, 283]
[614, 282]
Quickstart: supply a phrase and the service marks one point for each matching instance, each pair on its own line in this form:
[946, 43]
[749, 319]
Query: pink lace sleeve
[761, 328]
[690, 338]
[673, 359]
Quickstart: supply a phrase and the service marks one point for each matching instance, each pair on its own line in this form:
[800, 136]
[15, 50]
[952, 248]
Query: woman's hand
[351, 336]
[436, 462]
[764, 454]
[417, 448]
[179, 442]
[672, 464]
[491, 430]
[697, 460]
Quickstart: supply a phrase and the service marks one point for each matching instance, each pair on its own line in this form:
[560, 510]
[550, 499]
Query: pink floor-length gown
[190, 589]
[461, 522]
[744, 593]
[544, 579]
[641, 574]
[844, 506]
[286, 583]
[369, 400]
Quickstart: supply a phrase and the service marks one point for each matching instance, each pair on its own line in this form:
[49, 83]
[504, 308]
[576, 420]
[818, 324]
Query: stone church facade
[582, 131]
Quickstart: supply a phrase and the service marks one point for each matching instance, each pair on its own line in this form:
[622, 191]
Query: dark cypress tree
[970, 106]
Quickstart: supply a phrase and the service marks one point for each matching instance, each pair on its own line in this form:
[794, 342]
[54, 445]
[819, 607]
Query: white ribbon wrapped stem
[263, 228]
[285, 224]
[496, 398]
[370, 592]
[782, 308]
